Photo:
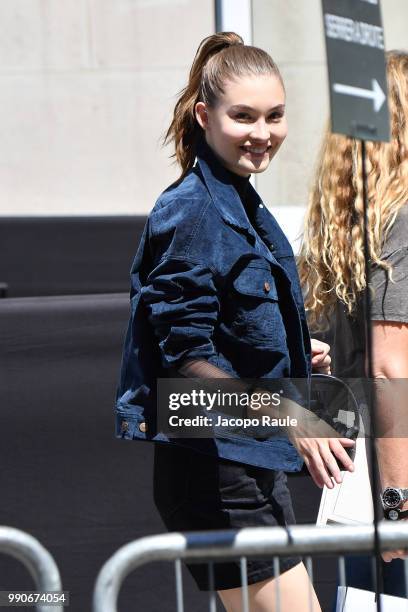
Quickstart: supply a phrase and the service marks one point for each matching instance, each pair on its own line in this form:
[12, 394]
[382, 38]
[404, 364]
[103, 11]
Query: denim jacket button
[267, 287]
[143, 427]
[271, 247]
[124, 426]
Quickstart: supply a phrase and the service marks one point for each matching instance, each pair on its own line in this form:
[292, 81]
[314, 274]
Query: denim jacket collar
[224, 196]
[232, 211]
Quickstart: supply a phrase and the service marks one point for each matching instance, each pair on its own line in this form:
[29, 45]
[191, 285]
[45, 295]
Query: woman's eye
[243, 117]
[276, 116]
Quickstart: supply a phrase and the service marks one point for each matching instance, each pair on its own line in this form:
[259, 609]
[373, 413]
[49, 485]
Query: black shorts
[196, 492]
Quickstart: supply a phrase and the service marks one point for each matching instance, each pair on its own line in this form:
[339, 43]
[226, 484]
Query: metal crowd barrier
[38, 561]
[208, 546]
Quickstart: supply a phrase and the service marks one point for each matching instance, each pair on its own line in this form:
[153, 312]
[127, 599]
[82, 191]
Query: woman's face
[248, 123]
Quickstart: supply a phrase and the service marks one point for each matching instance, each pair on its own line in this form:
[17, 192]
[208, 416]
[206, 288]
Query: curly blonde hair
[331, 262]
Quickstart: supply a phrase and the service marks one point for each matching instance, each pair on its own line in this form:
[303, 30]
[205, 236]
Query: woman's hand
[321, 359]
[319, 444]
[394, 554]
[322, 449]
[321, 456]
[400, 553]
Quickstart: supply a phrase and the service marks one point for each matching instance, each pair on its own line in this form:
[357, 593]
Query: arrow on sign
[375, 94]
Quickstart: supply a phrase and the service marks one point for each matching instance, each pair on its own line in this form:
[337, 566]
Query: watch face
[393, 515]
[391, 498]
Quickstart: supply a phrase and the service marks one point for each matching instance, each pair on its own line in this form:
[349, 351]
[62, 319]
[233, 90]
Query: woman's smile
[255, 151]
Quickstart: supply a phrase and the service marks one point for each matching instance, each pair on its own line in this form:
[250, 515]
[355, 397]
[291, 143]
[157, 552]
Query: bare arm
[390, 369]
[390, 361]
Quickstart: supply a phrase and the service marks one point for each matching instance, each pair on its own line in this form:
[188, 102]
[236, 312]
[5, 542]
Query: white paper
[350, 599]
[349, 503]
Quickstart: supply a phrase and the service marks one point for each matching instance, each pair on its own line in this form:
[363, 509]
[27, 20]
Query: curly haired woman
[332, 271]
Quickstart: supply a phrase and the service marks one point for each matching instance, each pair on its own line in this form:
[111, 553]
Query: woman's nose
[260, 130]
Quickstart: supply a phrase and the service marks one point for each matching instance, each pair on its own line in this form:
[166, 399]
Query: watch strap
[404, 494]
[394, 514]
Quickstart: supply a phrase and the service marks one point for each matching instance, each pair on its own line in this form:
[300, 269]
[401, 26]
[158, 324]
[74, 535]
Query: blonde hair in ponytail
[331, 263]
[219, 58]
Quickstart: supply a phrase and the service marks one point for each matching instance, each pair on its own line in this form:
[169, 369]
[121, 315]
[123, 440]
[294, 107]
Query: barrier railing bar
[212, 595]
[37, 560]
[276, 572]
[244, 583]
[179, 586]
[296, 540]
[342, 571]
[374, 575]
[309, 569]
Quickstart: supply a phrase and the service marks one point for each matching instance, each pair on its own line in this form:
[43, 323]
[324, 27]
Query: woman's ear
[201, 114]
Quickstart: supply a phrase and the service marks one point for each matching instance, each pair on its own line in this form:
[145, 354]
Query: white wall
[87, 88]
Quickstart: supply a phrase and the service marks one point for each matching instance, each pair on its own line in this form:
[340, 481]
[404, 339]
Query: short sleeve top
[389, 302]
[390, 294]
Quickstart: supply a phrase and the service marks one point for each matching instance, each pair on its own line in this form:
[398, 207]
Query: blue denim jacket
[206, 284]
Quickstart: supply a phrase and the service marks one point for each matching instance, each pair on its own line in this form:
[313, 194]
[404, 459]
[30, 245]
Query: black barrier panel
[67, 255]
[64, 478]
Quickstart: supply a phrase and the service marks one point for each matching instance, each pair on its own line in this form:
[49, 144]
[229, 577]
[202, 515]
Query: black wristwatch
[392, 497]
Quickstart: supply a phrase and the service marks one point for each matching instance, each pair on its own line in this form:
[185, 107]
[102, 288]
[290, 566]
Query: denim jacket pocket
[256, 280]
[255, 306]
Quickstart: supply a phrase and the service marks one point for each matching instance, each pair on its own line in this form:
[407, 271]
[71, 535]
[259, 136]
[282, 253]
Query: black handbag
[333, 401]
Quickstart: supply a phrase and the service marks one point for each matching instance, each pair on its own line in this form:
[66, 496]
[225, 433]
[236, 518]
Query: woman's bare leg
[294, 589]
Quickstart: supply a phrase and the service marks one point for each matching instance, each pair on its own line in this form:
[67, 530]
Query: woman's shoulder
[181, 202]
[184, 220]
[190, 188]
[397, 236]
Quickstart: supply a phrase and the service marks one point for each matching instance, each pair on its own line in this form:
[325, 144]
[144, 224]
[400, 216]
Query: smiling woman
[246, 136]
[215, 294]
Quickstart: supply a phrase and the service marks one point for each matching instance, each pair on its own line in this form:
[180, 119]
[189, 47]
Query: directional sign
[356, 62]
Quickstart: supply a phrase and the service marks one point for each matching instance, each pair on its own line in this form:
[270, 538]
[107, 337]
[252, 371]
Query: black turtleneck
[240, 183]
